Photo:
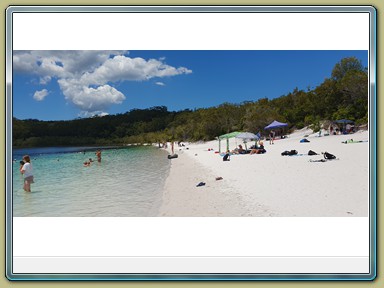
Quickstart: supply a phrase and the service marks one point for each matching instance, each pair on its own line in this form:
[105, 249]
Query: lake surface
[128, 182]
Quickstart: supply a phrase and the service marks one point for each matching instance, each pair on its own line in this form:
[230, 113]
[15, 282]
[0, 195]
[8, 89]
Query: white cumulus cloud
[85, 114]
[88, 98]
[86, 78]
[40, 95]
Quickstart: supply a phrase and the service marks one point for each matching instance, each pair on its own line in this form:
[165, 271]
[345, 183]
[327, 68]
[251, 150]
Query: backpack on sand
[329, 156]
[289, 153]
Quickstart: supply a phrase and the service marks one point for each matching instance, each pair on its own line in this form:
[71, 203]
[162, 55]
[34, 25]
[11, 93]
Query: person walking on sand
[27, 171]
[271, 137]
[173, 147]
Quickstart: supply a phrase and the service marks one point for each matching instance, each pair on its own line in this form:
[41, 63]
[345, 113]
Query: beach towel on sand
[320, 160]
[350, 141]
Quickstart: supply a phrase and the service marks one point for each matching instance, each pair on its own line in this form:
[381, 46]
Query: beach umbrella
[275, 124]
[227, 136]
[247, 136]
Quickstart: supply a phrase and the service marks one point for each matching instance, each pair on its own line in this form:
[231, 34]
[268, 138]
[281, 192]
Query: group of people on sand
[255, 149]
[259, 149]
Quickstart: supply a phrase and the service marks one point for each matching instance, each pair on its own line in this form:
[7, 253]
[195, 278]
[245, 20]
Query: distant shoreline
[87, 147]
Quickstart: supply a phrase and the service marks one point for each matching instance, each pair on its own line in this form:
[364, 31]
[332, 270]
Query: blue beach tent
[275, 124]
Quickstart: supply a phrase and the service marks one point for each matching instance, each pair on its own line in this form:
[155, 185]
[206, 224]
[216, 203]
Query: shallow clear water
[127, 182]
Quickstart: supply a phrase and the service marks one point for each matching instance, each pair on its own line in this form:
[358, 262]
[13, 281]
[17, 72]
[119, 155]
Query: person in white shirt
[27, 171]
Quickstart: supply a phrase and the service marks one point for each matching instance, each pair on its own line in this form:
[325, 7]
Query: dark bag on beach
[173, 156]
[329, 156]
[310, 152]
[289, 153]
[304, 141]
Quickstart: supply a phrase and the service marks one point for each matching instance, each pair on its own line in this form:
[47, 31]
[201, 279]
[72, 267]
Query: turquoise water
[127, 182]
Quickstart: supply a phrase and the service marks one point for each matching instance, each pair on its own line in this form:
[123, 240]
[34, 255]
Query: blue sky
[64, 85]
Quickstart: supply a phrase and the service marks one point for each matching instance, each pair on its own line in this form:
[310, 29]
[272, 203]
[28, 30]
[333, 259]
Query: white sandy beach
[270, 184]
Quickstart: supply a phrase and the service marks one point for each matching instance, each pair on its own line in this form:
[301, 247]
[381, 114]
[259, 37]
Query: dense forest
[343, 95]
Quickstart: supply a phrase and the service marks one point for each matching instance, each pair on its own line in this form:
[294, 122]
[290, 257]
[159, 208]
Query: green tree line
[343, 95]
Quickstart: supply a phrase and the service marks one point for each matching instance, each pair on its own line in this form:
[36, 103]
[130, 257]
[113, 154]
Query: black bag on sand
[289, 153]
[173, 156]
[310, 152]
[329, 156]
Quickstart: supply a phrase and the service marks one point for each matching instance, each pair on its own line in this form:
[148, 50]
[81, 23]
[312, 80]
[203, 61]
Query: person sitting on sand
[227, 157]
[239, 150]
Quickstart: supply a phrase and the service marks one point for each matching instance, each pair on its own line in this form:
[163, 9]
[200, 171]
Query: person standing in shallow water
[27, 171]
[98, 155]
